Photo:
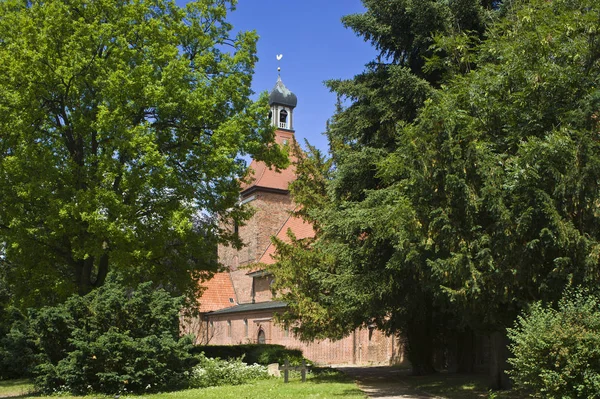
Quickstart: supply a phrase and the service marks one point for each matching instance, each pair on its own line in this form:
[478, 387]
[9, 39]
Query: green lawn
[327, 385]
[15, 388]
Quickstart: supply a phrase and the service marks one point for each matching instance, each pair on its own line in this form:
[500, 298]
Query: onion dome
[282, 95]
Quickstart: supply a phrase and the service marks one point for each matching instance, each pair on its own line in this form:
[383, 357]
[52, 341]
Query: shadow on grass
[321, 375]
[457, 386]
[349, 392]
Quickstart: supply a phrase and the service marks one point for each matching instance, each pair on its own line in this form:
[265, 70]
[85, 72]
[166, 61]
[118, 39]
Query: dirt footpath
[382, 382]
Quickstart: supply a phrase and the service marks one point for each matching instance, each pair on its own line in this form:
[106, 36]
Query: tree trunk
[102, 270]
[419, 335]
[499, 354]
[466, 351]
[84, 283]
[85, 271]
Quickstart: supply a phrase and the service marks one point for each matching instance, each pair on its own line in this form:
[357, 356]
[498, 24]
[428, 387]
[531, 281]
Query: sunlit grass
[15, 387]
[323, 386]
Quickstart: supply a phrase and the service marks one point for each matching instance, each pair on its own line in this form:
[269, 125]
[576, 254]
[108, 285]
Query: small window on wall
[229, 328]
[286, 331]
[261, 339]
[245, 327]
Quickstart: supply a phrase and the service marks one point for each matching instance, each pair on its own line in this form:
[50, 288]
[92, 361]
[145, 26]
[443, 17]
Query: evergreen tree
[369, 262]
[505, 160]
[460, 192]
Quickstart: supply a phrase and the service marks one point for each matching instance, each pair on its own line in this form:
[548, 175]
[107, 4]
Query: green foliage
[120, 122]
[557, 352]
[457, 204]
[215, 372]
[368, 263]
[111, 340]
[17, 349]
[252, 353]
[504, 165]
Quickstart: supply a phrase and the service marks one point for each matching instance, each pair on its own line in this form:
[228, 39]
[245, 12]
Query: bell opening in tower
[283, 119]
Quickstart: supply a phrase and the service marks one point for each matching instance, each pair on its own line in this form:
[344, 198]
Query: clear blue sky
[315, 47]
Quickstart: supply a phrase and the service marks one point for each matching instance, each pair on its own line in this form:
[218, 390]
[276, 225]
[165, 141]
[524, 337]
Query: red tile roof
[298, 226]
[265, 177]
[218, 293]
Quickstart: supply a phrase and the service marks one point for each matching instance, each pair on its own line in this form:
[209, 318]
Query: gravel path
[382, 382]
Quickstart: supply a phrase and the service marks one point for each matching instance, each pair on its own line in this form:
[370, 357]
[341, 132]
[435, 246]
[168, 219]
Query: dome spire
[282, 102]
[279, 57]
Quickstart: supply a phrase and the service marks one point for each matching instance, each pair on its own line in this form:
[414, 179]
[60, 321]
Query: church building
[237, 306]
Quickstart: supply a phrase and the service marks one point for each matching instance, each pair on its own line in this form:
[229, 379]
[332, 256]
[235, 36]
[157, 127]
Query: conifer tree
[505, 161]
[369, 261]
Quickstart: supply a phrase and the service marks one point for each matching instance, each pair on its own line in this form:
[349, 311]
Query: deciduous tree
[121, 121]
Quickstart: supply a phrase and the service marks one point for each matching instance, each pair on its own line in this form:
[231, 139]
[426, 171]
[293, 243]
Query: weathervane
[279, 57]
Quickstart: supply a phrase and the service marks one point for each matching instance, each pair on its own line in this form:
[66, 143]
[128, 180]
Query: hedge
[252, 353]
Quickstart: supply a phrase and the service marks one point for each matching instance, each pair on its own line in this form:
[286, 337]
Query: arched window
[283, 118]
[261, 337]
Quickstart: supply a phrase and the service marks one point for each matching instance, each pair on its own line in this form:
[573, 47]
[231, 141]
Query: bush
[16, 345]
[253, 353]
[113, 339]
[557, 352]
[215, 372]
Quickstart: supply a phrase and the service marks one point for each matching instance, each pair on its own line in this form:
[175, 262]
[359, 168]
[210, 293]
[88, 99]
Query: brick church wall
[272, 210]
[363, 346]
[262, 289]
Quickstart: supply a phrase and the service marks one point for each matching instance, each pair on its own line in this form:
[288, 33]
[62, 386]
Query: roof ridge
[255, 183]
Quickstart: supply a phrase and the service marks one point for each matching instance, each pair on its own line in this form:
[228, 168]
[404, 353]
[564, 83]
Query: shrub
[557, 352]
[215, 372]
[113, 339]
[253, 353]
[16, 345]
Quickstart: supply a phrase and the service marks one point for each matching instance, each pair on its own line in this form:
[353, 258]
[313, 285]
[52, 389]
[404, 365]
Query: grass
[326, 385]
[15, 388]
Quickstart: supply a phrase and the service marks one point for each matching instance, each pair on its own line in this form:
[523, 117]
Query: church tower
[267, 192]
[282, 102]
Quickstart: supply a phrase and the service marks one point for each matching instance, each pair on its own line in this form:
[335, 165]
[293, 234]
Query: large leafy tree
[121, 127]
[369, 260]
